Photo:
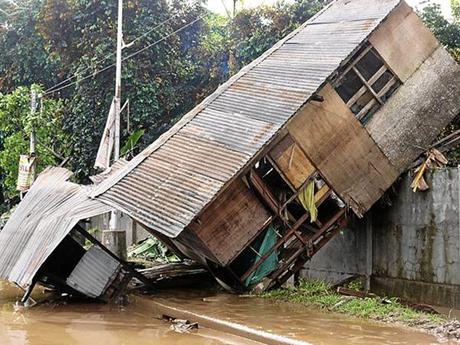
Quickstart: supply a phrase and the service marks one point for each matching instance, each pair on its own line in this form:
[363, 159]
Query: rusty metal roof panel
[48, 212]
[171, 181]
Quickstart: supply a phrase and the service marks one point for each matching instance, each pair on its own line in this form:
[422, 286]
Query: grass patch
[320, 295]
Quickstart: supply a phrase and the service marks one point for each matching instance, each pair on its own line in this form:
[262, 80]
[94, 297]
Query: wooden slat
[302, 259]
[387, 86]
[366, 108]
[356, 96]
[288, 262]
[363, 90]
[377, 74]
[323, 191]
[370, 89]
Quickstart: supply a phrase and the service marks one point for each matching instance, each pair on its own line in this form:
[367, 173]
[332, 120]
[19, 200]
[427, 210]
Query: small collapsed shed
[259, 176]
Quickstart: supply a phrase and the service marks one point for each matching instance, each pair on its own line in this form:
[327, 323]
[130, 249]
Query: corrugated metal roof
[51, 208]
[171, 181]
[94, 272]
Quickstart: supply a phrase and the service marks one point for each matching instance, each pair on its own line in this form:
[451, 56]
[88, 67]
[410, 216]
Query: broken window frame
[378, 98]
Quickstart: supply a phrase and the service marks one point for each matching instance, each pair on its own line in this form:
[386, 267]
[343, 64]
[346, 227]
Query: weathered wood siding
[292, 161]
[343, 151]
[404, 42]
[231, 222]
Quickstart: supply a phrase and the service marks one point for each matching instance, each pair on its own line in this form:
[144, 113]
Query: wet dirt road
[95, 324]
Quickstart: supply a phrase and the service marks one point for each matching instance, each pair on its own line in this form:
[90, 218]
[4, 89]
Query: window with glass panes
[366, 83]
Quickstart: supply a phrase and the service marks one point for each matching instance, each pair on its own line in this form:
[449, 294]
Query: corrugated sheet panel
[45, 216]
[169, 183]
[94, 272]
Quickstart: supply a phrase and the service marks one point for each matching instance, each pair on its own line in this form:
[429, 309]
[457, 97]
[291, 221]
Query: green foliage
[132, 142]
[319, 294]
[24, 60]
[57, 39]
[16, 123]
[455, 5]
[446, 32]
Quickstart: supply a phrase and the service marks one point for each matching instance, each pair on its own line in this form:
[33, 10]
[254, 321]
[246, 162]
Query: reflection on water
[135, 324]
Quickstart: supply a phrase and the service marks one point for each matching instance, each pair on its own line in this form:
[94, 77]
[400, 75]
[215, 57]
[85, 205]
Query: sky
[216, 5]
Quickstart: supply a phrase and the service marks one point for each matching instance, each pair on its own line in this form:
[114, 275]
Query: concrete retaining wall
[412, 248]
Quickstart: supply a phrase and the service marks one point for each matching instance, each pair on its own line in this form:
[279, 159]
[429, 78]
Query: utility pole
[118, 80]
[33, 108]
[114, 238]
[117, 101]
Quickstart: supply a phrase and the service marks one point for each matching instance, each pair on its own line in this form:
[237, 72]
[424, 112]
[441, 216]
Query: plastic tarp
[268, 265]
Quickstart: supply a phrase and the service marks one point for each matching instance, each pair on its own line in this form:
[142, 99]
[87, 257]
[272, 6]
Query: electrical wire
[50, 89]
[53, 90]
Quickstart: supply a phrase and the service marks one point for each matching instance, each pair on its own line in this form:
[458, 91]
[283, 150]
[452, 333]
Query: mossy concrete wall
[412, 247]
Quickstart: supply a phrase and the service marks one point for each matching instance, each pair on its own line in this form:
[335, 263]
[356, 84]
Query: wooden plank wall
[292, 161]
[231, 222]
[343, 151]
[403, 41]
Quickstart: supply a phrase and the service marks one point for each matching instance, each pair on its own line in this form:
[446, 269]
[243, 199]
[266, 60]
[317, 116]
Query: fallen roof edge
[108, 183]
[49, 211]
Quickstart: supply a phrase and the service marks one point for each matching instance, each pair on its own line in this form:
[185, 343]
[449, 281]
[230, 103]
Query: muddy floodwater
[137, 323]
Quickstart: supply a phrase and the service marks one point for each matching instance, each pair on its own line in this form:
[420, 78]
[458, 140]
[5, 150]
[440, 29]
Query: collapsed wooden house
[262, 174]
[258, 177]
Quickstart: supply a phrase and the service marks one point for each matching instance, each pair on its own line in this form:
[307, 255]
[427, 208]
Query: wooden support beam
[304, 258]
[278, 244]
[287, 263]
[264, 192]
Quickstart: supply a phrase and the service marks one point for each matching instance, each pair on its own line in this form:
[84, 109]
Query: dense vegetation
[43, 42]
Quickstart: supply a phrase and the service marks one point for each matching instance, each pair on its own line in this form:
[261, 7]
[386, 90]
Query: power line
[152, 29]
[162, 39]
[52, 89]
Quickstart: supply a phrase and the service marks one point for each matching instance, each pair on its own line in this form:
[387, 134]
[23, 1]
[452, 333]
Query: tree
[16, 123]
[60, 39]
[446, 32]
[23, 57]
[455, 5]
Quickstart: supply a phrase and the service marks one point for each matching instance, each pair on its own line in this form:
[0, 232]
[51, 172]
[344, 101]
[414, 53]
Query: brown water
[96, 324]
